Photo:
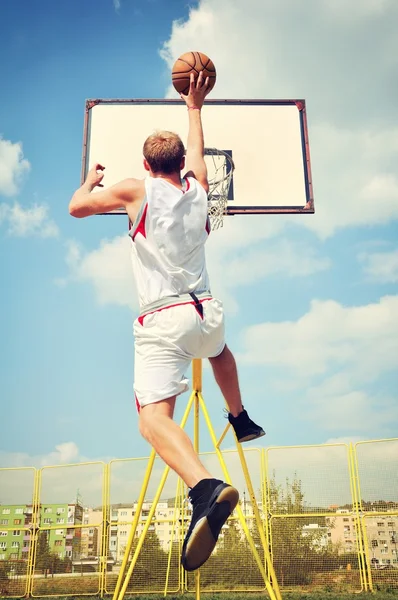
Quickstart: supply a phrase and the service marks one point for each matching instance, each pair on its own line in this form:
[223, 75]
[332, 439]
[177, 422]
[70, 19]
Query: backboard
[267, 139]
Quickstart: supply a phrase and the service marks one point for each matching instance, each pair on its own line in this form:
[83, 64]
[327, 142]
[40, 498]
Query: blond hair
[164, 152]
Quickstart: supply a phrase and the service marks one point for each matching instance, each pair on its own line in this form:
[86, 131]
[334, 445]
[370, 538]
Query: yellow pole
[135, 523]
[197, 388]
[238, 508]
[151, 512]
[34, 533]
[104, 530]
[364, 566]
[224, 433]
[258, 518]
[172, 536]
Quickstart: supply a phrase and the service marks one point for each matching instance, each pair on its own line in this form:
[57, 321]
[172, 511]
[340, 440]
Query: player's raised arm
[121, 195]
[194, 160]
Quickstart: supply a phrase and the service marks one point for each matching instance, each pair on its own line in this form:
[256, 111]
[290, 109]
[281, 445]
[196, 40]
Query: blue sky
[311, 303]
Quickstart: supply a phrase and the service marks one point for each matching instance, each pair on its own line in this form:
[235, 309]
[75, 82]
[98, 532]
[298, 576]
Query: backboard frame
[300, 104]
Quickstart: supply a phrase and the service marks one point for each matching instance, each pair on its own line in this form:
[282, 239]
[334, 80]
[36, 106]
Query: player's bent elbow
[75, 211]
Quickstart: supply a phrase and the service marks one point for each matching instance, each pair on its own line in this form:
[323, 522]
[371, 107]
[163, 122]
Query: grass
[388, 594]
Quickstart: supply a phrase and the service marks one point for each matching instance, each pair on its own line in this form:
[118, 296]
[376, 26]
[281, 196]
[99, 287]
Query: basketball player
[179, 319]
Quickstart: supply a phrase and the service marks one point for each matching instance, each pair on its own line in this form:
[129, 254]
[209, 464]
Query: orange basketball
[192, 62]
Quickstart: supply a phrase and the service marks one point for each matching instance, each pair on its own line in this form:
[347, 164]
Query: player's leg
[160, 364]
[226, 376]
[212, 500]
[225, 371]
[171, 442]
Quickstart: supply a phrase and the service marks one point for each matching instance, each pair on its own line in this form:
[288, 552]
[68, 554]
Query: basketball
[192, 62]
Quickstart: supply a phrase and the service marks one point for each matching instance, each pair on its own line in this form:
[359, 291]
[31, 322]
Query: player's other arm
[194, 159]
[85, 204]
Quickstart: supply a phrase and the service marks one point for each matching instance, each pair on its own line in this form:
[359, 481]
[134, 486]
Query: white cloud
[278, 257]
[108, 269]
[351, 178]
[260, 51]
[329, 335]
[116, 4]
[23, 222]
[331, 358]
[65, 452]
[68, 475]
[365, 9]
[242, 253]
[354, 410]
[13, 167]
[380, 267]
[246, 250]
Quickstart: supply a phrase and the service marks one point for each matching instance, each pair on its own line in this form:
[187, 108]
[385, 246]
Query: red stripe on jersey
[141, 225]
[208, 228]
[142, 317]
[137, 404]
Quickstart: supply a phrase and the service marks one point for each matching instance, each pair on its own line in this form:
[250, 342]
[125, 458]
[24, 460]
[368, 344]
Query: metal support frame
[196, 401]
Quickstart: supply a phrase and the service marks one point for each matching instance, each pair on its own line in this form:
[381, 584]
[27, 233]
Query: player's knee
[144, 427]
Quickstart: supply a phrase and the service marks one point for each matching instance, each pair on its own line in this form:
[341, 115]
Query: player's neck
[173, 178]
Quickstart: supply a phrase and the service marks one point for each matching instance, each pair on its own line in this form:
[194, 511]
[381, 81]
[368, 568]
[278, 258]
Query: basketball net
[219, 184]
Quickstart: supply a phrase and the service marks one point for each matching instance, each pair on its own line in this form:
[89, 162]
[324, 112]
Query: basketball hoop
[219, 185]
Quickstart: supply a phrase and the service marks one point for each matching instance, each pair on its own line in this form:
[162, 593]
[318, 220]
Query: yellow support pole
[258, 519]
[33, 534]
[104, 530]
[264, 475]
[363, 563]
[197, 387]
[224, 433]
[238, 508]
[134, 524]
[151, 512]
[178, 493]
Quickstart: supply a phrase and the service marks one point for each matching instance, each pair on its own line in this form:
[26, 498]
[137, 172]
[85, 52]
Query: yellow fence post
[104, 530]
[121, 589]
[270, 588]
[358, 522]
[197, 388]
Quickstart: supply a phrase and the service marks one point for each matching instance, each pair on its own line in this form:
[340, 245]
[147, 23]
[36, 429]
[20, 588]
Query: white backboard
[268, 140]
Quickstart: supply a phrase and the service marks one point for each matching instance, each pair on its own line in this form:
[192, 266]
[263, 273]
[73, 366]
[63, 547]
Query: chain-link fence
[326, 515]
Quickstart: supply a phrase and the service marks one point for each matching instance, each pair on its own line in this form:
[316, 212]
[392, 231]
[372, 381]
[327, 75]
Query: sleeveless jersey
[168, 241]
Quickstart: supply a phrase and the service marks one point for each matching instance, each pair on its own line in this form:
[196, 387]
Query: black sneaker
[212, 502]
[245, 428]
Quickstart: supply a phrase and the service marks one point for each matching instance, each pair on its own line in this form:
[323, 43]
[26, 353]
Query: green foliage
[151, 566]
[248, 596]
[3, 573]
[304, 558]
[42, 552]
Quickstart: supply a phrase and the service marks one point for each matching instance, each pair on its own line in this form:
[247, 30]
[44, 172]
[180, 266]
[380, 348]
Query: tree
[297, 553]
[150, 569]
[43, 555]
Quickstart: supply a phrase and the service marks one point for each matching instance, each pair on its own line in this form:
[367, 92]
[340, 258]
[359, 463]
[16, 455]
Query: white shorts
[167, 340]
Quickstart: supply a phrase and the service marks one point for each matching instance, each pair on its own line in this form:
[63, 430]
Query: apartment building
[342, 530]
[91, 532]
[163, 524]
[14, 543]
[58, 521]
[382, 537]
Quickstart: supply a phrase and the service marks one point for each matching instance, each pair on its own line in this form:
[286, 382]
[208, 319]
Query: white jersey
[168, 241]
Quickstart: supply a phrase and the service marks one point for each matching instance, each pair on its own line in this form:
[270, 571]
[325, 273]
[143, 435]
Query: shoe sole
[202, 543]
[252, 436]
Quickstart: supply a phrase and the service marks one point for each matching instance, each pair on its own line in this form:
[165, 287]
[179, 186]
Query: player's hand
[94, 177]
[198, 90]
